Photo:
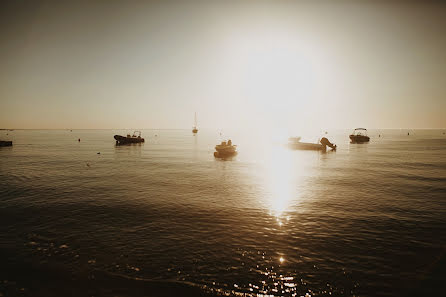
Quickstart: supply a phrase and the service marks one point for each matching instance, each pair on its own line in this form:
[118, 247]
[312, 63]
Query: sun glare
[279, 75]
[279, 176]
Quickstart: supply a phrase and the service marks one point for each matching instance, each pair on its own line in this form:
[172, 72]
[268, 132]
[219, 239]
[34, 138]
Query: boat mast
[195, 121]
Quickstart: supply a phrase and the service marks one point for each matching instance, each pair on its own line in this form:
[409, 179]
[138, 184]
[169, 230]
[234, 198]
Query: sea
[82, 216]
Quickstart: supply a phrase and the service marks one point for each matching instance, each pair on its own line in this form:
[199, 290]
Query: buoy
[79, 140]
[99, 153]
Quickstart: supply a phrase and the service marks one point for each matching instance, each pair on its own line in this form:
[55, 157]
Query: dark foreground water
[167, 219]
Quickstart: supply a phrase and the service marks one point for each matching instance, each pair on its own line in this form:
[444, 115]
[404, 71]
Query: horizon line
[8, 129]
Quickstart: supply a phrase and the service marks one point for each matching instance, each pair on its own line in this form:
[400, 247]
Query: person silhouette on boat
[229, 142]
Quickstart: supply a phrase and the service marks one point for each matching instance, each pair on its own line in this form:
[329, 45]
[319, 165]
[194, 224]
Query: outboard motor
[326, 142]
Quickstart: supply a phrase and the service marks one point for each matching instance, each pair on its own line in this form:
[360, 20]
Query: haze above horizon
[264, 65]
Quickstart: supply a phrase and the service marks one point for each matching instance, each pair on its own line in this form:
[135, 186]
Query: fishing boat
[194, 128]
[135, 138]
[296, 144]
[359, 135]
[225, 149]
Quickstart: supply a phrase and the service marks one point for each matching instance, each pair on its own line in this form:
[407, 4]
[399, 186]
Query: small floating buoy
[99, 153]
[79, 140]
[408, 133]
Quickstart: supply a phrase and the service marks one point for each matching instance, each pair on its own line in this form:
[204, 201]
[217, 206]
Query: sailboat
[194, 128]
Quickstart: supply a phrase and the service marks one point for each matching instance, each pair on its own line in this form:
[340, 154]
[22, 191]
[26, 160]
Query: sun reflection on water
[280, 179]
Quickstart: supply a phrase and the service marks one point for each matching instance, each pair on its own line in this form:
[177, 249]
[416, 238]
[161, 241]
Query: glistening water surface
[165, 218]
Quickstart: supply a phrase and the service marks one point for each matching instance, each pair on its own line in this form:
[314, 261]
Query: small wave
[135, 285]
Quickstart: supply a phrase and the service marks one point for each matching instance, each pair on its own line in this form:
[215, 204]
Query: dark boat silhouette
[296, 144]
[129, 138]
[359, 135]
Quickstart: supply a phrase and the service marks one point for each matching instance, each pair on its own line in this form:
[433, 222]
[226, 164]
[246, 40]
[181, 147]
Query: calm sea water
[167, 219]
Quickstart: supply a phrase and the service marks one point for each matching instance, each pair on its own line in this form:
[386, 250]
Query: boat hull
[359, 138]
[122, 139]
[307, 146]
[224, 154]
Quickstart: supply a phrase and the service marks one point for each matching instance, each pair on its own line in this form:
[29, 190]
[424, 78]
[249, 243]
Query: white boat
[225, 149]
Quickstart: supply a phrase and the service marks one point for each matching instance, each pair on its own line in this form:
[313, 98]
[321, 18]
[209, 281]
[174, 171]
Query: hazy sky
[281, 64]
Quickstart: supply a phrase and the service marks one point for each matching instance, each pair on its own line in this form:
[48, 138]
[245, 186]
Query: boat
[296, 144]
[194, 128]
[225, 149]
[129, 139]
[359, 135]
[5, 143]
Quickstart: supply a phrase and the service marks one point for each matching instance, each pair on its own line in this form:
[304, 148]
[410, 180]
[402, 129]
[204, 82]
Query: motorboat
[296, 144]
[135, 138]
[225, 149]
[359, 135]
[194, 128]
